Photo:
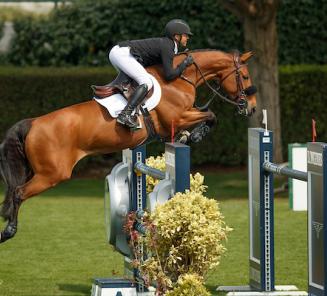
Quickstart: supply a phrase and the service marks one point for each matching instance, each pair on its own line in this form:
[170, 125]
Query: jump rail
[147, 170]
[282, 170]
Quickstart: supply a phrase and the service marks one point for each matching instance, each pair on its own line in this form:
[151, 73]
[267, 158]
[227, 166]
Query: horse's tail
[14, 166]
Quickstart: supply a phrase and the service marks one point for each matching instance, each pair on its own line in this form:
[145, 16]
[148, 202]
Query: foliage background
[81, 34]
[302, 32]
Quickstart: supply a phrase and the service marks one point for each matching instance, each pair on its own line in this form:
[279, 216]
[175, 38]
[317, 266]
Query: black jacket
[154, 51]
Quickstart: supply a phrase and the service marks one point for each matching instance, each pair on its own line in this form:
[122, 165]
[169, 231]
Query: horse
[38, 153]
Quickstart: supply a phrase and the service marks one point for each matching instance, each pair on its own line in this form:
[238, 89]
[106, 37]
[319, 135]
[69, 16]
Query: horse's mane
[207, 49]
[183, 53]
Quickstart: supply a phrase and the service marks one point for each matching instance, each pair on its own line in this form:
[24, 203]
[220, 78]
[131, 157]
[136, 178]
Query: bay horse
[40, 152]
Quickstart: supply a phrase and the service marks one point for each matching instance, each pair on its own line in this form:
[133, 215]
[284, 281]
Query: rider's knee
[148, 82]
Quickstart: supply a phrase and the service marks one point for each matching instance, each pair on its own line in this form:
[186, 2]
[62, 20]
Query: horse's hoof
[196, 138]
[183, 137]
[8, 233]
[2, 238]
[199, 133]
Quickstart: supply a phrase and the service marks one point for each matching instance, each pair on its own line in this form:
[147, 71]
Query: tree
[260, 35]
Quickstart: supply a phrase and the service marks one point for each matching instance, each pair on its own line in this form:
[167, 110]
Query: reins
[215, 91]
[239, 103]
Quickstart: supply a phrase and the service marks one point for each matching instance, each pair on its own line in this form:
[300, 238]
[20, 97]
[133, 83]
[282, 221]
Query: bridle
[240, 100]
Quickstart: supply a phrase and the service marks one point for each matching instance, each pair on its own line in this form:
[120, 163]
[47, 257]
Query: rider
[131, 57]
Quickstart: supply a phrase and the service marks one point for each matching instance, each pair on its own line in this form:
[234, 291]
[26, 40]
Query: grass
[61, 243]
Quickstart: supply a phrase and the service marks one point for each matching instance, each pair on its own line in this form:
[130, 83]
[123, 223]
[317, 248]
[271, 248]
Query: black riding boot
[125, 117]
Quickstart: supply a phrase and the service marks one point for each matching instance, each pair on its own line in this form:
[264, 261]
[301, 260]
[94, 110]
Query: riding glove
[186, 62]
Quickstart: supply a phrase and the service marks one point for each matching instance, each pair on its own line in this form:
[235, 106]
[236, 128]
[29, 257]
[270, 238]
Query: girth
[150, 128]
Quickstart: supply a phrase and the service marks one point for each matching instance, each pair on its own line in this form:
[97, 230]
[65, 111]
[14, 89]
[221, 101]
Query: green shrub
[303, 98]
[82, 33]
[31, 92]
[185, 235]
[302, 32]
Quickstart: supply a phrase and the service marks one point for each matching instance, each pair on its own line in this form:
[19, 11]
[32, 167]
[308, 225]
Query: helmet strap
[179, 39]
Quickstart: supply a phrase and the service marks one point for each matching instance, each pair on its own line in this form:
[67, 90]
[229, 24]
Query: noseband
[240, 100]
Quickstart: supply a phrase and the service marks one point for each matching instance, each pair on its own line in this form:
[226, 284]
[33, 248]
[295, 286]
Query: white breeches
[123, 60]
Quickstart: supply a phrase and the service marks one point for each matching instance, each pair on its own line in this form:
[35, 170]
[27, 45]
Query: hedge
[82, 33]
[31, 92]
[303, 97]
[302, 32]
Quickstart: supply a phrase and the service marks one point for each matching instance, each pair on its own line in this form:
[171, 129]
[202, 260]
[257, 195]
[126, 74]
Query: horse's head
[236, 82]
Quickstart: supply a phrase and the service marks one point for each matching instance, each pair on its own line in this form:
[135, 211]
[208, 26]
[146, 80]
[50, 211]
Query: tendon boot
[125, 117]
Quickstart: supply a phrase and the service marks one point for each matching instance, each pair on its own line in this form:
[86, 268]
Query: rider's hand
[188, 61]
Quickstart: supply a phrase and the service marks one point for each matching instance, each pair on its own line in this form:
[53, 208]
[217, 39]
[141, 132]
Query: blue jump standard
[261, 196]
[317, 213]
[127, 187]
[261, 208]
[177, 157]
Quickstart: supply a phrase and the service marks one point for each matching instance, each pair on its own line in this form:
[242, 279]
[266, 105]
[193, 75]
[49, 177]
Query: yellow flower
[196, 180]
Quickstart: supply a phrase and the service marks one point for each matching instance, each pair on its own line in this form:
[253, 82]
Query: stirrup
[130, 121]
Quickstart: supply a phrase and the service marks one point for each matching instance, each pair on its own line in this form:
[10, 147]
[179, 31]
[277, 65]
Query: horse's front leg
[201, 121]
[194, 116]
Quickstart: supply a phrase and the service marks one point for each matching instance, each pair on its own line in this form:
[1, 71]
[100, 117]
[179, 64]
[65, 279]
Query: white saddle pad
[116, 103]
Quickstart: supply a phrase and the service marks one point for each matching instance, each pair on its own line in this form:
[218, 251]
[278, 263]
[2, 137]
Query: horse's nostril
[254, 109]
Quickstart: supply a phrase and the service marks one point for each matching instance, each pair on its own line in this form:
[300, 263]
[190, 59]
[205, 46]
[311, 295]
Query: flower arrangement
[190, 285]
[183, 241]
[196, 180]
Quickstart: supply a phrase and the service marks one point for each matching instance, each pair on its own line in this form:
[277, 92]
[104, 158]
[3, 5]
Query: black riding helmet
[177, 27]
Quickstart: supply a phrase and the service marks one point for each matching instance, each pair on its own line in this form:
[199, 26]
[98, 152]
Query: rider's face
[184, 39]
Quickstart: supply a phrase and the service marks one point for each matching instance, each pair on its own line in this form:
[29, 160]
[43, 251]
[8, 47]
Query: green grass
[61, 243]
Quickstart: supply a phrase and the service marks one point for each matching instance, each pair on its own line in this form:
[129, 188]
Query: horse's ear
[246, 56]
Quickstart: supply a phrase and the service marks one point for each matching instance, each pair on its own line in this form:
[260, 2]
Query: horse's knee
[59, 177]
[212, 119]
[42, 181]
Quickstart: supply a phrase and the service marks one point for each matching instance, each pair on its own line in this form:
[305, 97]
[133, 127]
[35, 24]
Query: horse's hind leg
[11, 228]
[37, 184]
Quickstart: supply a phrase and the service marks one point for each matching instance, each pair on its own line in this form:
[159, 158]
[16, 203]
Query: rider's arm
[167, 56]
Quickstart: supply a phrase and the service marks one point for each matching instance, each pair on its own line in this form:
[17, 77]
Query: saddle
[121, 84]
[126, 86]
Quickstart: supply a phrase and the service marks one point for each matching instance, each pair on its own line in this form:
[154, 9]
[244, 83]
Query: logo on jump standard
[315, 158]
[317, 228]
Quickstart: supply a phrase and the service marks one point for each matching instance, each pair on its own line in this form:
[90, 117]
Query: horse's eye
[245, 77]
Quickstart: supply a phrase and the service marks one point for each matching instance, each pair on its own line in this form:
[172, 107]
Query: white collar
[176, 47]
